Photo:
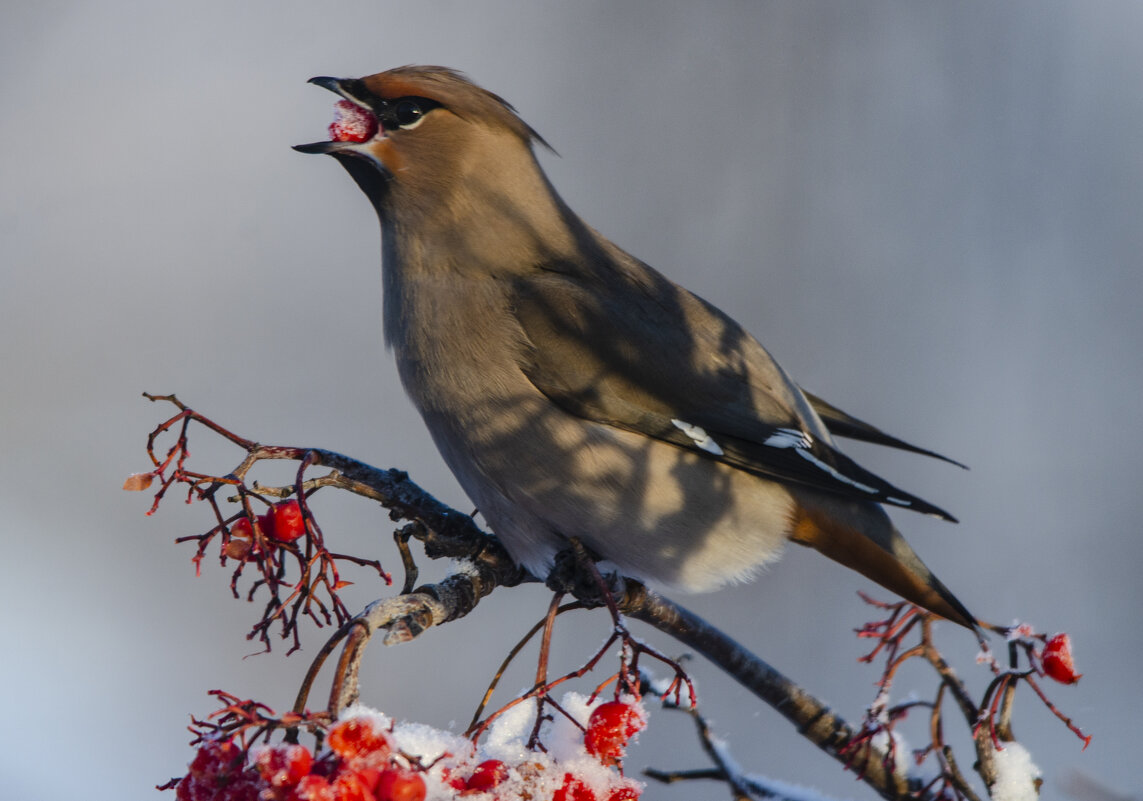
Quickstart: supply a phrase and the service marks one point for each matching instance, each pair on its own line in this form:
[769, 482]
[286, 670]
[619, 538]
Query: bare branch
[813, 719]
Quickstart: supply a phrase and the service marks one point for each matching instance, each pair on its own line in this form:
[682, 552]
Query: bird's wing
[845, 425]
[632, 350]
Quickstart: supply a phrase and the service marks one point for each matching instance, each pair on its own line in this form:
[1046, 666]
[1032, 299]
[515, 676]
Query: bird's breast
[456, 344]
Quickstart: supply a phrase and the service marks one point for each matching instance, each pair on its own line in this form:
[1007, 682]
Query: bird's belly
[662, 514]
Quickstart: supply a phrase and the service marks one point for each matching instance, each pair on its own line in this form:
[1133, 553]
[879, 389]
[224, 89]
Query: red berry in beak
[353, 123]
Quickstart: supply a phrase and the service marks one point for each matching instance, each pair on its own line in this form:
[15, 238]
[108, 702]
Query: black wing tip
[843, 424]
[935, 455]
[963, 616]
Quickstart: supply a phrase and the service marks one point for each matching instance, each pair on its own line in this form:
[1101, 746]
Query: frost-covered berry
[397, 784]
[351, 787]
[573, 789]
[284, 765]
[217, 758]
[358, 743]
[352, 124]
[624, 794]
[241, 529]
[1057, 659]
[313, 788]
[609, 728]
[487, 775]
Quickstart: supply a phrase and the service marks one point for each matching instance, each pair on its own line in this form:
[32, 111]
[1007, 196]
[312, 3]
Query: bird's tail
[867, 542]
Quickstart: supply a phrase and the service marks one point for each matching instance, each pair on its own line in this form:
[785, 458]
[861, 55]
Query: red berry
[217, 758]
[449, 777]
[284, 765]
[397, 784]
[352, 124]
[609, 728]
[312, 788]
[242, 542]
[1057, 659]
[241, 529]
[245, 788]
[266, 524]
[369, 777]
[289, 524]
[356, 741]
[624, 794]
[487, 775]
[350, 787]
[191, 789]
[573, 789]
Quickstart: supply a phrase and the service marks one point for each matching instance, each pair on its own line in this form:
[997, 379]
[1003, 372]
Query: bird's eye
[405, 113]
[408, 113]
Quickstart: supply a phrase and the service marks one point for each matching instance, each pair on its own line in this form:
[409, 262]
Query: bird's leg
[576, 573]
[402, 536]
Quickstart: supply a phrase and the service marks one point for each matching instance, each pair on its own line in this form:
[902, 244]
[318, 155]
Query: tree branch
[813, 719]
[486, 565]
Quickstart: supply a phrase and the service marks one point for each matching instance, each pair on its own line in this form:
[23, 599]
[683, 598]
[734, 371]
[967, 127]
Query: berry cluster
[283, 522]
[360, 766]
[370, 758]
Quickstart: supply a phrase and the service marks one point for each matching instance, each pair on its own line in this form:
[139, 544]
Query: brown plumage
[575, 391]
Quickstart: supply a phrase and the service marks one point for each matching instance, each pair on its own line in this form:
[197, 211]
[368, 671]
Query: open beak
[355, 123]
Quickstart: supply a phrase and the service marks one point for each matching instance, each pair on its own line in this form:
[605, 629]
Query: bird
[576, 393]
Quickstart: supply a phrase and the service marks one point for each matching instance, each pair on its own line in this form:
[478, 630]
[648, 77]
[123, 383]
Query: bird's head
[412, 136]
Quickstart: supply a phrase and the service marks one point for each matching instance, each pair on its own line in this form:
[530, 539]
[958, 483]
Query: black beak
[319, 147]
[332, 84]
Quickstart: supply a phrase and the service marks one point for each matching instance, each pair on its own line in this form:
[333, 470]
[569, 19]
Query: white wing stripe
[699, 436]
[801, 442]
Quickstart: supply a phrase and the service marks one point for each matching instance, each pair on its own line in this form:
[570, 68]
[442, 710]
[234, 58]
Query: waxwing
[577, 393]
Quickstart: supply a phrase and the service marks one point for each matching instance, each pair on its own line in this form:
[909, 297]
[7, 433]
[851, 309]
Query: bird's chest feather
[457, 345]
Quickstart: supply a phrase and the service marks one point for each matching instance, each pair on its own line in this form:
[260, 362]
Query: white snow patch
[429, 743]
[381, 722]
[902, 757]
[465, 567]
[1016, 774]
[564, 739]
[1020, 631]
[507, 737]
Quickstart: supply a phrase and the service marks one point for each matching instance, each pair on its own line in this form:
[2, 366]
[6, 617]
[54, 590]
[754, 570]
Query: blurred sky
[930, 213]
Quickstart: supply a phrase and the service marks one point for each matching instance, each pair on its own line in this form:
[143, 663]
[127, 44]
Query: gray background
[930, 212]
